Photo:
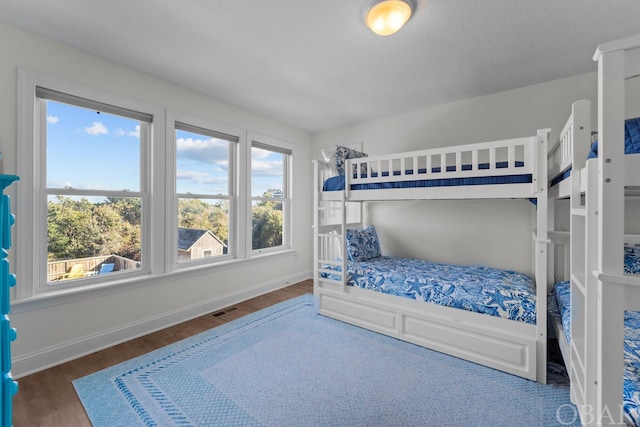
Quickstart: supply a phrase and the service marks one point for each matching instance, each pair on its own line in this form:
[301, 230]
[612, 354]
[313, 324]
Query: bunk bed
[573, 301]
[568, 154]
[349, 266]
[572, 176]
[617, 381]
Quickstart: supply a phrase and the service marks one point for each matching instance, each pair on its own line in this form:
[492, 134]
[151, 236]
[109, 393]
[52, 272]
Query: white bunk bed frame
[616, 291]
[506, 345]
[571, 151]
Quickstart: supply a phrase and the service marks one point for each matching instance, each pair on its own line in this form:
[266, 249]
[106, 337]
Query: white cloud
[265, 163]
[135, 133]
[199, 177]
[259, 153]
[266, 168]
[204, 182]
[96, 128]
[211, 151]
[52, 120]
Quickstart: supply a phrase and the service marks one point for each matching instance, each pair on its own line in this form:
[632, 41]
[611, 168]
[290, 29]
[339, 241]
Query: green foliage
[82, 229]
[194, 213]
[267, 221]
[73, 229]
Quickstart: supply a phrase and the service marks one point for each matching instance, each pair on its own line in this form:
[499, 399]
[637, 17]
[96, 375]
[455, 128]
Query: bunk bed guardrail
[504, 344]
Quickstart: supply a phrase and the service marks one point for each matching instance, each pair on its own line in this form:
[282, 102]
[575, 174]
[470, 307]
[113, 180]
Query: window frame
[287, 149]
[32, 205]
[159, 164]
[236, 243]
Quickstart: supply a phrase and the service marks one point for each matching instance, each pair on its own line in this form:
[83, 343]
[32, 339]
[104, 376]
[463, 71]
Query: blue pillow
[363, 245]
[632, 260]
[631, 138]
[343, 154]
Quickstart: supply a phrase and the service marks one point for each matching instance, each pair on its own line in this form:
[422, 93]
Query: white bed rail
[331, 265]
[496, 158]
[573, 144]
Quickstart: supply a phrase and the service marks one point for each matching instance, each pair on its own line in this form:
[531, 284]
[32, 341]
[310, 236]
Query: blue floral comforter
[560, 307]
[486, 290]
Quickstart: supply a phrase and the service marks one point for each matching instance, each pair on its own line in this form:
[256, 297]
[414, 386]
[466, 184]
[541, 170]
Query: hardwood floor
[48, 398]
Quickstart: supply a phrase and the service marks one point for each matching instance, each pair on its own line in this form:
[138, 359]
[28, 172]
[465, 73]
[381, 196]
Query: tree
[82, 229]
[72, 230]
[266, 225]
[194, 213]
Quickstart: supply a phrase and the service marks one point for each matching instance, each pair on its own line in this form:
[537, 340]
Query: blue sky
[90, 150]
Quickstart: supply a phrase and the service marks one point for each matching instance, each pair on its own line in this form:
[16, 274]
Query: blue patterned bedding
[486, 290]
[560, 298]
[560, 308]
[336, 183]
[631, 146]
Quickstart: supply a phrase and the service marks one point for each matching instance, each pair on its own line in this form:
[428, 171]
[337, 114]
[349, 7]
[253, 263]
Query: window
[115, 190]
[270, 194]
[205, 191]
[93, 184]
[85, 198]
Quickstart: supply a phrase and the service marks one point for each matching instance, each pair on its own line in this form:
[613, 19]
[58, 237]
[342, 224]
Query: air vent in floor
[224, 311]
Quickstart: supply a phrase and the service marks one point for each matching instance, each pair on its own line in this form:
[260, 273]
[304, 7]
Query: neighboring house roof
[187, 237]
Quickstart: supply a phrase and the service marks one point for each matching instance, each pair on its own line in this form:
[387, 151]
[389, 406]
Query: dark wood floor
[48, 398]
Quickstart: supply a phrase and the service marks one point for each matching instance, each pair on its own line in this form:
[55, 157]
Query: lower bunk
[481, 314]
[560, 319]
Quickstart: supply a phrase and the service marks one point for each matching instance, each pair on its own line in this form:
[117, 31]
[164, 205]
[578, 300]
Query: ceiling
[314, 65]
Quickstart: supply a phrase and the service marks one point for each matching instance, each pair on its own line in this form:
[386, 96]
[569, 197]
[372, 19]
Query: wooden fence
[90, 266]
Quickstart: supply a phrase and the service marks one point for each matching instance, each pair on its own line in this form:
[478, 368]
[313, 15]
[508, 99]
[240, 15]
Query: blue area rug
[288, 366]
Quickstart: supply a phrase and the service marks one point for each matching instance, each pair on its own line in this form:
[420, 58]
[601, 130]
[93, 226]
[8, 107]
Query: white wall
[55, 330]
[494, 233]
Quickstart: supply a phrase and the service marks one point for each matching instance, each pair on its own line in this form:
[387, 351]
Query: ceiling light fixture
[385, 17]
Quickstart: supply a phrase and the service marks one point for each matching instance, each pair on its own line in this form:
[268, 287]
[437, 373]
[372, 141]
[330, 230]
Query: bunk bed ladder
[329, 226]
[583, 291]
[617, 61]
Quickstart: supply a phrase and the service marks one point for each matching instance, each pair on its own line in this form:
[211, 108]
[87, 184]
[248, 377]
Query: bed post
[541, 258]
[316, 223]
[610, 333]
[343, 228]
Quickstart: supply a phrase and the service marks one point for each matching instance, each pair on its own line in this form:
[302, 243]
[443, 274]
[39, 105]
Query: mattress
[560, 298]
[560, 309]
[631, 146]
[560, 306]
[487, 290]
[336, 183]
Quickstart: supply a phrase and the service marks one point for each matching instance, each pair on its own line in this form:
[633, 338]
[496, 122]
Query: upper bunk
[577, 147]
[618, 62]
[512, 168]
[569, 153]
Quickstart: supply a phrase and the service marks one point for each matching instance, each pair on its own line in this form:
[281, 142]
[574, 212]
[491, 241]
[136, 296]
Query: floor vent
[224, 311]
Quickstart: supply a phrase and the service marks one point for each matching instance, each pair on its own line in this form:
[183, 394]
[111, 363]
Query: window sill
[64, 296]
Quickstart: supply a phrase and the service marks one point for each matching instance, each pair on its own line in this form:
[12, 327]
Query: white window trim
[287, 237]
[31, 246]
[160, 166]
[236, 231]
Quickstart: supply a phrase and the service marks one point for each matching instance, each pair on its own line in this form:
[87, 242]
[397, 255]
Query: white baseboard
[33, 362]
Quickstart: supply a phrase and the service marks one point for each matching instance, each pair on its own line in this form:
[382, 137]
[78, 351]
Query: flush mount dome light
[385, 17]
